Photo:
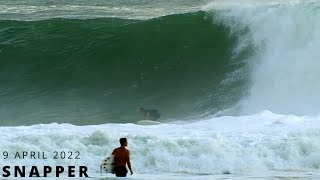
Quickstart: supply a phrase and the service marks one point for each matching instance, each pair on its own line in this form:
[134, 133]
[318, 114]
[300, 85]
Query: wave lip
[285, 38]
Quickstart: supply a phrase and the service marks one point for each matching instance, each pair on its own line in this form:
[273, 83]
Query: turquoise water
[102, 70]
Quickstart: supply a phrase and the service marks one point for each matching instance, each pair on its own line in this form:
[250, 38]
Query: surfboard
[147, 122]
[107, 164]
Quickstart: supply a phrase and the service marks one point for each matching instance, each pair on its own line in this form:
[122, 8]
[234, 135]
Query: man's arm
[129, 163]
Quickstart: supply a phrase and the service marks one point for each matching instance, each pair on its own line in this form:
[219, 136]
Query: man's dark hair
[123, 141]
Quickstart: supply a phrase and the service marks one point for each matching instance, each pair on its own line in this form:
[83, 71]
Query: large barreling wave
[228, 58]
[103, 70]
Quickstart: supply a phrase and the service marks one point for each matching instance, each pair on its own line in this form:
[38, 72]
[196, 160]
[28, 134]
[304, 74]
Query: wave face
[102, 70]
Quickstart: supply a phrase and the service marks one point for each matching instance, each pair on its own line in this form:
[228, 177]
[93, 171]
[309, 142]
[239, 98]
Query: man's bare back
[122, 159]
[121, 155]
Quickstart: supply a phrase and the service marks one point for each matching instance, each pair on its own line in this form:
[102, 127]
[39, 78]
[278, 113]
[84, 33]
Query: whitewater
[258, 146]
[269, 131]
[284, 69]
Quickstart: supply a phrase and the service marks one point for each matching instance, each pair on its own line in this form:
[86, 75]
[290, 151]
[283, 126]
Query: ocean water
[236, 83]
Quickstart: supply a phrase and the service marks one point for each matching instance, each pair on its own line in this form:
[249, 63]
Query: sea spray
[284, 68]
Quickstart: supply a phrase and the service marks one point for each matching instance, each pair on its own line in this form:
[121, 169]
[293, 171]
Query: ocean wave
[103, 70]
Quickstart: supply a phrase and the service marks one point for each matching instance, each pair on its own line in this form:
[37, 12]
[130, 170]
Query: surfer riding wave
[150, 114]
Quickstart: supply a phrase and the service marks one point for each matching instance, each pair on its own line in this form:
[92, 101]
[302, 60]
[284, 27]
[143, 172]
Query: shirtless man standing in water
[122, 158]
